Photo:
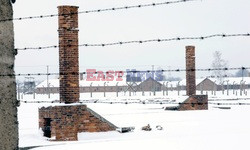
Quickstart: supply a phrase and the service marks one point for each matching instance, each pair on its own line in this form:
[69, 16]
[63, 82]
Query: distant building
[207, 85]
[29, 85]
[150, 85]
[103, 86]
[204, 84]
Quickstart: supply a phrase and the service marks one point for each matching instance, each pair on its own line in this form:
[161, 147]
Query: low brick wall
[195, 102]
[64, 122]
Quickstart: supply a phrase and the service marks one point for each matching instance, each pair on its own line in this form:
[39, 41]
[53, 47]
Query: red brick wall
[68, 54]
[195, 102]
[67, 121]
[88, 122]
[190, 73]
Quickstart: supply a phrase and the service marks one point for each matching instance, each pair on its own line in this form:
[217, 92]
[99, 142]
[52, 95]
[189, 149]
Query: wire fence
[130, 71]
[124, 42]
[127, 102]
[145, 102]
[98, 10]
[138, 41]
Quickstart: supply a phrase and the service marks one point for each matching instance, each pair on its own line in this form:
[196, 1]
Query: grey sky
[176, 20]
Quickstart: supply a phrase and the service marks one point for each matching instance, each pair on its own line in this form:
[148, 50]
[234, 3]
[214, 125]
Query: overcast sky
[198, 18]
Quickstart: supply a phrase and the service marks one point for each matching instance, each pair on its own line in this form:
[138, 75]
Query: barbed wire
[141, 102]
[130, 71]
[230, 99]
[139, 41]
[99, 10]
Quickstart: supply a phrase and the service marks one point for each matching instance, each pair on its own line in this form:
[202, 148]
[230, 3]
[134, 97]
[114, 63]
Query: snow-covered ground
[213, 129]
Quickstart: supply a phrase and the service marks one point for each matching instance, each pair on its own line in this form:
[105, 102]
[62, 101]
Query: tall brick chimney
[68, 54]
[190, 73]
[66, 121]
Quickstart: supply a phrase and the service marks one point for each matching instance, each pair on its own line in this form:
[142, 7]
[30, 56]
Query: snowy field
[213, 129]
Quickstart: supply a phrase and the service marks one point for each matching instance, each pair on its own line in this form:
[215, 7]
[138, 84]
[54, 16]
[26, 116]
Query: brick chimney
[66, 121]
[68, 54]
[190, 73]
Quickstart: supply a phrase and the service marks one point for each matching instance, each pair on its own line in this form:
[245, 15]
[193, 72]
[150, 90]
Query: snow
[211, 129]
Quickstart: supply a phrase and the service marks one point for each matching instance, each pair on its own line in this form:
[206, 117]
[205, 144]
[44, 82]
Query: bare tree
[218, 64]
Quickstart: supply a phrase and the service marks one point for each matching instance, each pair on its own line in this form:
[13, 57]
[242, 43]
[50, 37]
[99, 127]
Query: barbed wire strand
[142, 102]
[99, 10]
[139, 41]
[130, 71]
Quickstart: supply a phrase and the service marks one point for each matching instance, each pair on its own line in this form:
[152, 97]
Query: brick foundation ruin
[194, 102]
[65, 121]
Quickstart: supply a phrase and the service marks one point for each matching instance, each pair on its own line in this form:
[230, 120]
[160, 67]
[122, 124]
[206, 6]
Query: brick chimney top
[68, 54]
[190, 71]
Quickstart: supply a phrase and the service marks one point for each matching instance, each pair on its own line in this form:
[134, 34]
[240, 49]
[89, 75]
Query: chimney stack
[68, 54]
[190, 71]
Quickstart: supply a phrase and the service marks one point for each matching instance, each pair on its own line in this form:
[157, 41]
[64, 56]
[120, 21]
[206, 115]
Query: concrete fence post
[8, 100]
[222, 87]
[202, 89]
[215, 88]
[227, 87]
[91, 89]
[154, 89]
[117, 90]
[244, 87]
[104, 89]
[167, 88]
[233, 87]
[241, 87]
[178, 88]
[163, 89]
